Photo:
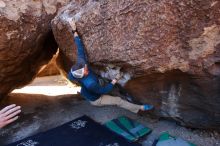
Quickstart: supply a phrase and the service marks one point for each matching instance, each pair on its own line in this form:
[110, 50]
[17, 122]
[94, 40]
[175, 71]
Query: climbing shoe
[148, 107]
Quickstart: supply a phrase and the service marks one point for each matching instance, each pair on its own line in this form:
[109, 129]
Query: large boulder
[170, 49]
[26, 40]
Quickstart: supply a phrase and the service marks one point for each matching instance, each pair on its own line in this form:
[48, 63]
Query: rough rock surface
[171, 49]
[50, 68]
[26, 40]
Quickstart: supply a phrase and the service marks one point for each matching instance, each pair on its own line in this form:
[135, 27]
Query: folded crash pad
[127, 128]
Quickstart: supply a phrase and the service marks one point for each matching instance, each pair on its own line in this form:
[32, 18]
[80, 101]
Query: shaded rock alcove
[51, 68]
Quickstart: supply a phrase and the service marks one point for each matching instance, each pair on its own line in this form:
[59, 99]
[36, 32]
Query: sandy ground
[45, 106]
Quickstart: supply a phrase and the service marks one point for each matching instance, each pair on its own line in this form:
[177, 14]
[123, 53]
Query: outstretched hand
[72, 24]
[119, 76]
[9, 114]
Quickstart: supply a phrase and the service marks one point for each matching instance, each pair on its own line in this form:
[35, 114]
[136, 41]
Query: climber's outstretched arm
[81, 55]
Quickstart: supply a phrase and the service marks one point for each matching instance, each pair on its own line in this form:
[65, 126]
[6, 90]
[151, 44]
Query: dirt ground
[50, 101]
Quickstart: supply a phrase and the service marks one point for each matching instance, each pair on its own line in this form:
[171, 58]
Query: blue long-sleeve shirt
[81, 55]
[90, 87]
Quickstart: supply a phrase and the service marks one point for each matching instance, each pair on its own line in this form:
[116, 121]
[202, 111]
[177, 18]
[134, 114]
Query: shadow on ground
[41, 112]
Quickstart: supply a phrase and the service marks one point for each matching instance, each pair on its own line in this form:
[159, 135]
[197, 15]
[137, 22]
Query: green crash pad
[166, 139]
[128, 128]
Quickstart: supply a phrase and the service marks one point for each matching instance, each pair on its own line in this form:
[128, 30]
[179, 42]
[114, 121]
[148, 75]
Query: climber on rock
[91, 90]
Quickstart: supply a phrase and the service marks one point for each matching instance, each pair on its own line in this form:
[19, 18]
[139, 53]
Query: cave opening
[49, 81]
